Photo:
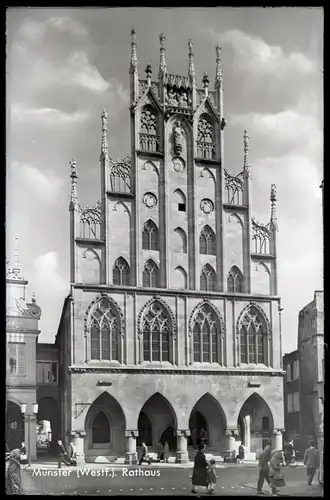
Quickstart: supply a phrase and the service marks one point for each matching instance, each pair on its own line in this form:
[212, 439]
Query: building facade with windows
[291, 387]
[172, 325]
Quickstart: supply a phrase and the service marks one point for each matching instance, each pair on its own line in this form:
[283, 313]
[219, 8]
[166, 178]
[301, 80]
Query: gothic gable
[207, 107]
[214, 308]
[114, 305]
[245, 315]
[165, 306]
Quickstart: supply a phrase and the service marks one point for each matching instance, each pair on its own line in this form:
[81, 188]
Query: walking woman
[275, 472]
[13, 476]
[199, 476]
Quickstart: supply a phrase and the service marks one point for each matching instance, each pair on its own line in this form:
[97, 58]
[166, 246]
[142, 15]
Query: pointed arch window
[207, 342]
[208, 278]
[150, 236]
[205, 146]
[104, 332]
[253, 336]
[151, 275]
[120, 177]
[121, 272]
[156, 330]
[207, 241]
[149, 140]
[235, 280]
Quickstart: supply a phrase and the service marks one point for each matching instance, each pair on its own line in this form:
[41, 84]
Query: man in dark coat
[264, 468]
[199, 476]
[311, 461]
[61, 453]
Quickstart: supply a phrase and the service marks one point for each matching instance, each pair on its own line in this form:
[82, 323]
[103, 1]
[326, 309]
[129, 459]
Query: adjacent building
[292, 416]
[172, 326]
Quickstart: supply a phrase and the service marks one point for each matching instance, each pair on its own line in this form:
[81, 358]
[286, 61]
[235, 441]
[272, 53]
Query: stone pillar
[277, 442]
[131, 454]
[182, 450]
[30, 436]
[247, 432]
[79, 441]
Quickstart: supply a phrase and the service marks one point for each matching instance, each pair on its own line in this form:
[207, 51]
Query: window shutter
[20, 359]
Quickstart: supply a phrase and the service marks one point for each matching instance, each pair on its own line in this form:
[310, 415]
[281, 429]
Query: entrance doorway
[145, 430]
[101, 431]
[198, 429]
[169, 437]
[15, 426]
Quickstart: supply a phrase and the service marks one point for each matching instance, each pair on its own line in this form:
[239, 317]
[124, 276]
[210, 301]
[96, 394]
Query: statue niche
[177, 137]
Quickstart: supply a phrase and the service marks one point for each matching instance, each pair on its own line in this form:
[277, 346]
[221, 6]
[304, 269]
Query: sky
[64, 66]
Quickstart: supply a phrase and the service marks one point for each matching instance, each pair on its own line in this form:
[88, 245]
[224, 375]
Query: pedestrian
[72, 454]
[160, 452]
[211, 477]
[61, 454]
[241, 454]
[199, 475]
[289, 452]
[13, 475]
[144, 456]
[311, 461]
[263, 468]
[23, 455]
[166, 451]
[276, 475]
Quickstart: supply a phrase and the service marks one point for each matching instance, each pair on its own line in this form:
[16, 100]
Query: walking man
[264, 468]
[61, 453]
[144, 456]
[311, 461]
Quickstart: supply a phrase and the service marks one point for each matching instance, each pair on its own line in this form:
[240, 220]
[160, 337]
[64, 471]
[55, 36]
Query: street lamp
[26, 417]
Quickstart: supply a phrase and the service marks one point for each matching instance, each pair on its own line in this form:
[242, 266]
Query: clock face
[150, 200]
[207, 206]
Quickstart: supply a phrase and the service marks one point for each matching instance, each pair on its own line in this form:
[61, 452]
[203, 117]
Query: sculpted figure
[178, 136]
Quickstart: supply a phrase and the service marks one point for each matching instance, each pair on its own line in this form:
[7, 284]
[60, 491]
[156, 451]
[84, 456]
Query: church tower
[173, 282]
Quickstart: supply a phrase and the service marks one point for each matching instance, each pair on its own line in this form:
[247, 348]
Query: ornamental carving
[14, 274]
[251, 313]
[120, 175]
[261, 237]
[207, 206]
[91, 214]
[28, 310]
[206, 313]
[160, 371]
[111, 303]
[177, 81]
[178, 137]
[178, 164]
[176, 98]
[155, 306]
[234, 187]
[150, 200]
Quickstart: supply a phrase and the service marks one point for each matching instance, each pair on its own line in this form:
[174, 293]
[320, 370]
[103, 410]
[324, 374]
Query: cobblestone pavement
[154, 481]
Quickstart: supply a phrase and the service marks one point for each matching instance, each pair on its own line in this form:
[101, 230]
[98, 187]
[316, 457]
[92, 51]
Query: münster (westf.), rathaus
[172, 326]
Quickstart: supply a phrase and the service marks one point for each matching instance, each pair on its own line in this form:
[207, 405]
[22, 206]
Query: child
[211, 477]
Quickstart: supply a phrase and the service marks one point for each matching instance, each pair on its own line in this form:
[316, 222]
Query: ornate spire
[162, 65]
[273, 199]
[16, 255]
[14, 271]
[134, 59]
[218, 73]
[246, 165]
[206, 82]
[191, 70]
[74, 177]
[148, 73]
[104, 143]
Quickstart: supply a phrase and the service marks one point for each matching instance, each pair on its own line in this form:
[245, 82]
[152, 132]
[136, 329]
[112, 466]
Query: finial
[33, 300]
[273, 199]
[191, 70]
[246, 165]
[218, 72]
[134, 59]
[206, 82]
[16, 254]
[74, 177]
[162, 65]
[148, 72]
[104, 142]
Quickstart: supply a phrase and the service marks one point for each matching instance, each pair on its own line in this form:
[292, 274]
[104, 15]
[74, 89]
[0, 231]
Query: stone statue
[172, 98]
[183, 101]
[178, 136]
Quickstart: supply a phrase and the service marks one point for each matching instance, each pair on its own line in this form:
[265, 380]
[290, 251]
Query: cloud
[28, 180]
[252, 54]
[79, 72]
[46, 276]
[36, 30]
[47, 116]
[288, 130]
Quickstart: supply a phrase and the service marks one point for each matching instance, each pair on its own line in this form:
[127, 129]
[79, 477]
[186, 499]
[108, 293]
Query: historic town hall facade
[172, 326]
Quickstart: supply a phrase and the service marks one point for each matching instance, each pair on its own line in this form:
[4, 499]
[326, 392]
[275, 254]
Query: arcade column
[131, 454]
[182, 448]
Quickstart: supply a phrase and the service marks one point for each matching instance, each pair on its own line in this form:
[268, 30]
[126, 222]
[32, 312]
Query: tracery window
[235, 280]
[150, 240]
[234, 188]
[206, 336]
[208, 278]
[121, 272]
[151, 275]
[104, 332]
[205, 146]
[149, 140]
[90, 222]
[120, 176]
[207, 241]
[156, 330]
[261, 237]
[253, 336]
